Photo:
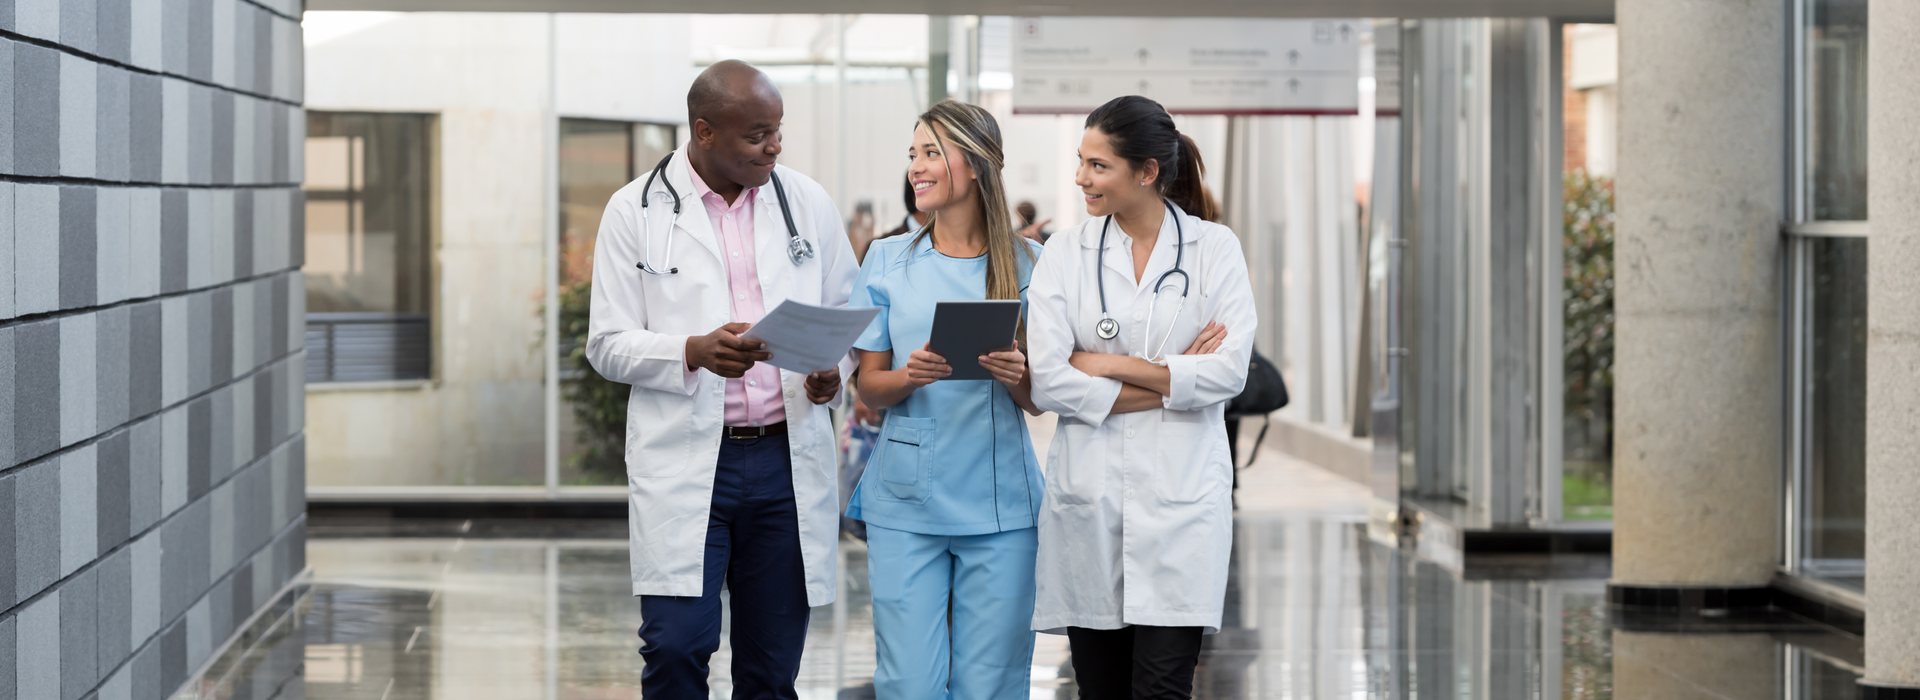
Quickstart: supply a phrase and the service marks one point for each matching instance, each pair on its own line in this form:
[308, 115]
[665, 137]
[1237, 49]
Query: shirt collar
[701, 191]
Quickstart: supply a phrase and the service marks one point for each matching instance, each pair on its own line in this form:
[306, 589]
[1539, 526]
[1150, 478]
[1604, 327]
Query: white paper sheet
[808, 338]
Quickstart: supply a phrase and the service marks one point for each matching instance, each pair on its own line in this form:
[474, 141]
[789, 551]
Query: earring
[1143, 183]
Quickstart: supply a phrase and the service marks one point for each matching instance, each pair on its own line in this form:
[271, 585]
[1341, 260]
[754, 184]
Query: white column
[1697, 258]
[1893, 348]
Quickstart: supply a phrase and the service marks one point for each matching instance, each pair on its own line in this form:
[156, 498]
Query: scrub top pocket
[906, 458]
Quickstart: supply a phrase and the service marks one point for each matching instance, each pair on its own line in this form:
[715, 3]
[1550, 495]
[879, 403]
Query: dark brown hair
[1140, 131]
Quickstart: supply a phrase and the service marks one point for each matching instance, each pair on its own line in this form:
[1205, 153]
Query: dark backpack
[1264, 393]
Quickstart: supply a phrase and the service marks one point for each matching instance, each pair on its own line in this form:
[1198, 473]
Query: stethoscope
[1107, 328]
[798, 249]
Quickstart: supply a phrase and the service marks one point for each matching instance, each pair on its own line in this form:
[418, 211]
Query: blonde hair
[977, 135]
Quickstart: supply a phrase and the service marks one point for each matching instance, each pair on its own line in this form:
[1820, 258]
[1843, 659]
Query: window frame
[429, 265]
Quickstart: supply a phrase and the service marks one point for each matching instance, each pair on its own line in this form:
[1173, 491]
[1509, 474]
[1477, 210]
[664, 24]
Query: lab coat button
[1129, 494]
[1136, 316]
[1129, 433]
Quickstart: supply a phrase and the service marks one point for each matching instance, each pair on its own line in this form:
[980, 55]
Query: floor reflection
[1315, 610]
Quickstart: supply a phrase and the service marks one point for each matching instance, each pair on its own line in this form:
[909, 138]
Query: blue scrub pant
[753, 542]
[987, 650]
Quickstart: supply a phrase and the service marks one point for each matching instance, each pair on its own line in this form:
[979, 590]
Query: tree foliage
[1587, 244]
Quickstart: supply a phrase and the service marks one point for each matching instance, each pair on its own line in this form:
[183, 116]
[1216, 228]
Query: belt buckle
[760, 431]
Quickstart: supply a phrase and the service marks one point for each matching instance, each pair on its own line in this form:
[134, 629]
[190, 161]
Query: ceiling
[1570, 9]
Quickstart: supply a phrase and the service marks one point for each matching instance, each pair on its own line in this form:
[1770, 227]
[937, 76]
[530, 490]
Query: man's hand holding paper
[806, 338]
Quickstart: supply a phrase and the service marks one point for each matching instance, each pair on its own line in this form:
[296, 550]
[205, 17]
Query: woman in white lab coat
[1137, 521]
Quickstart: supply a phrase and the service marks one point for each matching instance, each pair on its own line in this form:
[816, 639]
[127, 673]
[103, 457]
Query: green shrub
[1587, 245]
[599, 405]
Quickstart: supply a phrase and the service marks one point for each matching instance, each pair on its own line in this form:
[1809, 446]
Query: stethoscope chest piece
[1107, 328]
[799, 249]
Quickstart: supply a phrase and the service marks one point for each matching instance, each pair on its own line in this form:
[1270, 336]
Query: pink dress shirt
[753, 399]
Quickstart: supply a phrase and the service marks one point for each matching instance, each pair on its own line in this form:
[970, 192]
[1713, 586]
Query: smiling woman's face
[941, 177]
[1109, 183]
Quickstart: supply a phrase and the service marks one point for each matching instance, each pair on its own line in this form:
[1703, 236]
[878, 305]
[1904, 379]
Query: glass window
[1831, 488]
[597, 158]
[1834, 110]
[1827, 298]
[368, 268]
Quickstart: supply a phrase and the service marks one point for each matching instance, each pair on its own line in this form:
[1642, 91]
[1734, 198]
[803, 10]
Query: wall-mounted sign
[1192, 66]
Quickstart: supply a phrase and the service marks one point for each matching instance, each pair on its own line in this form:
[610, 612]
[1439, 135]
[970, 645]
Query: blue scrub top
[954, 458]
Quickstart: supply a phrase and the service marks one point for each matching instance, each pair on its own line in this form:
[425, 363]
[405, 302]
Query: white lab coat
[638, 335]
[1138, 518]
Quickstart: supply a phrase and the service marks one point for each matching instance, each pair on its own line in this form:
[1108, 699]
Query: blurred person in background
[860, 229]
[1029, 228]
[863, 425]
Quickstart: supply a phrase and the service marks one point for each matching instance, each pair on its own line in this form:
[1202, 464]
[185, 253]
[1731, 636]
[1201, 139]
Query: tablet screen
[965, 330]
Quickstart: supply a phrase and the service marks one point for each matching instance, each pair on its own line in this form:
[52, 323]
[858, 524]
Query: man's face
[745, 141]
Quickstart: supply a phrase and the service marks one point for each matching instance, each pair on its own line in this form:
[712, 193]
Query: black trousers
[1135, 662]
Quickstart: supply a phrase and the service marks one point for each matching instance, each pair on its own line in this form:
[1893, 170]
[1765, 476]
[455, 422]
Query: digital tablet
[965, 330]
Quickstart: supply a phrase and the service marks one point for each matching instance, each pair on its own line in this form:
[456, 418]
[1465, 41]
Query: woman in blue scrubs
[951, 494]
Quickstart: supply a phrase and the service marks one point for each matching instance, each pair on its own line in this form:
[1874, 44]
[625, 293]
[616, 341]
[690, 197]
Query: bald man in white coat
[730, 461]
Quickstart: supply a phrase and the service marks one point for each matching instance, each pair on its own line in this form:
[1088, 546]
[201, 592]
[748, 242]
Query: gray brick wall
[152, 466]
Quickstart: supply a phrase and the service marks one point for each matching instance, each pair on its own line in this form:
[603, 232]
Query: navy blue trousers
[753, 543]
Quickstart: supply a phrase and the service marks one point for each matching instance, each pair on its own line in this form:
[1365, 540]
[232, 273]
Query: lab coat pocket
[1186, 469]
[1076, 465]
[906, 459]
[658, 446]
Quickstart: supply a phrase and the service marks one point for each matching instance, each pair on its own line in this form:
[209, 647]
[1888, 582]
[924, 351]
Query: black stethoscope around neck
[798, 249]
[1107, 328]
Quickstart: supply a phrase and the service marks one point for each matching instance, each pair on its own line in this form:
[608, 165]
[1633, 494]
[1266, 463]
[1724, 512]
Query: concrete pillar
[1893, 347]
[1697, 256]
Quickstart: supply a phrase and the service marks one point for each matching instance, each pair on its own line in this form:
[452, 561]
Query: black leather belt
[735, 432]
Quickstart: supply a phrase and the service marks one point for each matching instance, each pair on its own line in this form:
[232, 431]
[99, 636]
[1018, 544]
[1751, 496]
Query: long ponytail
[1140, 131]
[1189, 188]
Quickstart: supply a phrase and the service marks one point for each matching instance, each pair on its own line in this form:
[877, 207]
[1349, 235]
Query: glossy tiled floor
[1315, 610]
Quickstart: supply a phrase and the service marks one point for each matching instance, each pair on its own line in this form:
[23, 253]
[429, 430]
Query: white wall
[486, 77]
